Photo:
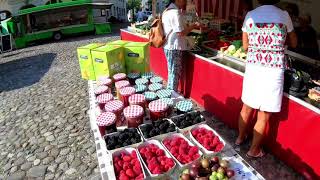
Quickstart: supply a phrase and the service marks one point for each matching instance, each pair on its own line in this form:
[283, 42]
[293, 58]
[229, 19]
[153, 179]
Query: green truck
[53, 21]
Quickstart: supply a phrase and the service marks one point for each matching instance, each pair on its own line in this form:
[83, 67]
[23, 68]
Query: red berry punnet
[156, 160]
[127, 166]
[181, 150]
[208, 139]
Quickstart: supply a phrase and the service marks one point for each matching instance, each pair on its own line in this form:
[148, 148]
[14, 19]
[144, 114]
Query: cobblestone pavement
[44, 126]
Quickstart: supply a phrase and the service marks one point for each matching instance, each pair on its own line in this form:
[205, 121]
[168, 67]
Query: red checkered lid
[106, 119]
[122, 84]
[119, 76]
[133, 111]
[101, 89]
[158, 106]
[113, 106]
[104, 80]
[137, 98]
[104, 98]
[127, 91]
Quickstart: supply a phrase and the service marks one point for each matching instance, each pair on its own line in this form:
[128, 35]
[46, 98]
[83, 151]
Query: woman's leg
[245, 114]
[174, 58]
[258, 133]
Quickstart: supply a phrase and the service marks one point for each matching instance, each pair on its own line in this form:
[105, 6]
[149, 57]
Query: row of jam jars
[154, 87]
[138, 99]
[119, 77]
[170, 103]
[102, 99]
[104, 81]
[106, 122]
[132, 77]
[134, 115]
[125, 93]
[150, 96]
[101, 90]
[140, 88]
[158, 110]
[116, 107]
[184, 106]
[119, 85]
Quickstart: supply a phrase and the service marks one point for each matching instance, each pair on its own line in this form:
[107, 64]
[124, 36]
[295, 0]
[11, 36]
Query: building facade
[146, 5]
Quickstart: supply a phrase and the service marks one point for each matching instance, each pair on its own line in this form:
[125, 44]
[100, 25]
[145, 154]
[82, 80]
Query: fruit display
[237, 53]
[155, 158]
[156, 128]
[218, 44]
[123, 138]
[207, 138]
[184, 151]
[188, 119]
[127, 165]
[208, 169]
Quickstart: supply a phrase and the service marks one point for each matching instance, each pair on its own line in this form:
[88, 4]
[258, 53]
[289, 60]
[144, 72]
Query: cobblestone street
[44, 126]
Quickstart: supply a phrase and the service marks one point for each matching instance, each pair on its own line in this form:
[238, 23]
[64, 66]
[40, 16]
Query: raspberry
[123, 177]
[169, 162]
[120, 163]
[219, 147]
[133, 162]
[196, 156]
[126, 158]
[194, 150]
[157, 170]
[137, 169]
[160, 152]
[140, 177]
[130, 173]
[134, 155]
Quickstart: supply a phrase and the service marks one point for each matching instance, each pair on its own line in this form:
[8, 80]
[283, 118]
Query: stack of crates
[99, 59]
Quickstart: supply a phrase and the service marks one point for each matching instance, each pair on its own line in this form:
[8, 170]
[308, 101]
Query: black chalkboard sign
[6, 43]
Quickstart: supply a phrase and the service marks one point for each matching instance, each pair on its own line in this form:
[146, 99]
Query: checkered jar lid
[101, 90]
[158, 106]
[184, 106]
[133, 111]
[133, 75]
[147, 75]
[164, 93]
[104, 80]
[140, 88]
[114, 106]
[104, 98]
[156, 79]
[106, 119]
[119, 76]
[122, 84]
[137, 98]
[169, 101]
[155, 87]
[150, 96]
[143, 81]
[127, 91]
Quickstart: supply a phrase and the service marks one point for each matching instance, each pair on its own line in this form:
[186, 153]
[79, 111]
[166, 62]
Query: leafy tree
[134, 4]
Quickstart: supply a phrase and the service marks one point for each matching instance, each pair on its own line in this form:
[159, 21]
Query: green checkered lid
[169, 101]
[150, 96]
[155, 87]
[142, 81]
[164, 93]
[147, 75]
[140, 88]
[184, 106]
[133, 75]
[156, 79]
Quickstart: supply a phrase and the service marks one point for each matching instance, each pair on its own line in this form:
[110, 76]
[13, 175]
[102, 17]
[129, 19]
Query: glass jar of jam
[116, 107]
[119, 85]
[158, 110]
[101, 89]
[106, 122]
[133, 77]
[154, 87]
[134, 115]
[119, 77]
[138, 99]
[102, 99]
[125, 93]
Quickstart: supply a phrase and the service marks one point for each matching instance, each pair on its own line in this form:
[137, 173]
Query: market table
[292, 135]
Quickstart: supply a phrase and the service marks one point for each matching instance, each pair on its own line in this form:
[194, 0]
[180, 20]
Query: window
[103, 12]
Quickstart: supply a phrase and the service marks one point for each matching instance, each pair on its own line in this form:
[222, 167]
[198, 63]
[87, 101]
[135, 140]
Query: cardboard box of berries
[157, 129]
[156, 159]
[185, 122]
[119, 140]
[207, 139]
[181, 149]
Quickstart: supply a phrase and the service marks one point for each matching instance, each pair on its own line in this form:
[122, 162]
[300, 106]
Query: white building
[118, 10]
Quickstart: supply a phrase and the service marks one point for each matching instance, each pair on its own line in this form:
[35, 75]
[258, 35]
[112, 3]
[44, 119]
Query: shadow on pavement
[25, 71]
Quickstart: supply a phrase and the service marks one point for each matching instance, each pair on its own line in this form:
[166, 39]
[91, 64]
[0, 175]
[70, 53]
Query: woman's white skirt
[263, 88]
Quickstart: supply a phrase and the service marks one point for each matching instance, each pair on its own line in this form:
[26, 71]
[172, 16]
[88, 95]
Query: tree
[134, 4]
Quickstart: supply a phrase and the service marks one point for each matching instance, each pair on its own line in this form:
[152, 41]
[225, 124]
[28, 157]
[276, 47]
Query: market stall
[215, 82]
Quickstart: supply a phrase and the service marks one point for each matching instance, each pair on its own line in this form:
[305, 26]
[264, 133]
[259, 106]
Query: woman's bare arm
[245, 41]
[292, 40]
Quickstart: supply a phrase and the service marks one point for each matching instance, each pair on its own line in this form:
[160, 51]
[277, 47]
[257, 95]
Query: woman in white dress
[265, 31]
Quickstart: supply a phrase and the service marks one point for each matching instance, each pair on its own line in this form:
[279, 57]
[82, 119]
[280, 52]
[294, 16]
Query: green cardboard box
[137, 57]
[85, 60]
[108, 60]
[118, 43]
